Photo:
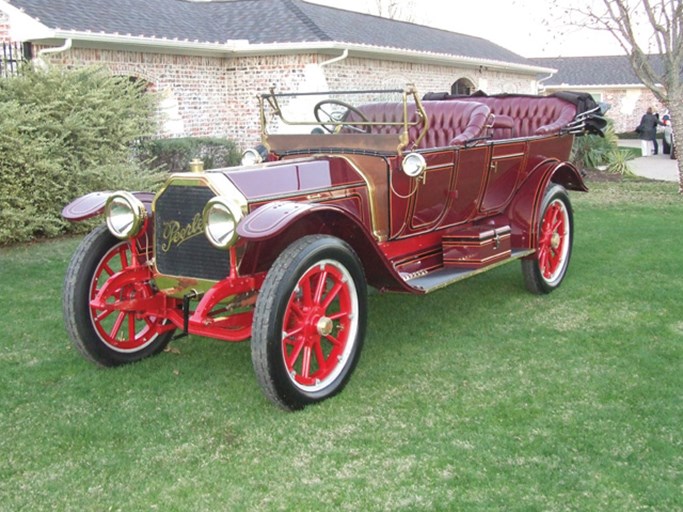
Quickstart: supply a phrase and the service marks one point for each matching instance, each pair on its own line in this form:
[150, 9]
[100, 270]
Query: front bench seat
[451, 123]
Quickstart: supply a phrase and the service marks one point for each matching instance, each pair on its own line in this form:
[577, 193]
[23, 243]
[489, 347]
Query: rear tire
[309, 322]
[545, 270]
[108, 337]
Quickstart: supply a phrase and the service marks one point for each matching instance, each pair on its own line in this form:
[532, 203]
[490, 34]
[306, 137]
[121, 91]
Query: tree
[651, 34]
[396, 9]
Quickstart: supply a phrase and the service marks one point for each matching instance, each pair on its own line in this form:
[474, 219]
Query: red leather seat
[451, 123]
[519, 115]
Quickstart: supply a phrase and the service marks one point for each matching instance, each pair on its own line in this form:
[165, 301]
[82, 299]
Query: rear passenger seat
[518, 115]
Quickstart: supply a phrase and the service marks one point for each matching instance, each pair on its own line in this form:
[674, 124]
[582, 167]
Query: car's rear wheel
[309, 322]
[109, 334]
[545, 270]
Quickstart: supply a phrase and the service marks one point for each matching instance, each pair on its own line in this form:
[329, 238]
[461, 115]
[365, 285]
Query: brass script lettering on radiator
[174, 234]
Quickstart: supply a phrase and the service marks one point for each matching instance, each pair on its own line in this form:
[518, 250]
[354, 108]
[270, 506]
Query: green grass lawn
[631, 152]
[477, 397]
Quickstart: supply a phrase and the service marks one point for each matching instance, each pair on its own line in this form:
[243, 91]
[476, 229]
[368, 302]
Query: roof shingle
[258, 21]
[591, 71]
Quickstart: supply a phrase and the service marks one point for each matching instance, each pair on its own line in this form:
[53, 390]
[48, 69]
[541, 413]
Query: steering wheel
[329, 116]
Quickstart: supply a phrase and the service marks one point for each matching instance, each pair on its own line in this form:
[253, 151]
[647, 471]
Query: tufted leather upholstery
[532, 116]
[451, 123]
[519, 115]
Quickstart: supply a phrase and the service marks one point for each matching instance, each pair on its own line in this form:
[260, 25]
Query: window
[462, 87]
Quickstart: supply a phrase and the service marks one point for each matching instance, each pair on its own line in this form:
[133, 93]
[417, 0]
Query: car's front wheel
[545, 270]
[111, 331]
[309, 322]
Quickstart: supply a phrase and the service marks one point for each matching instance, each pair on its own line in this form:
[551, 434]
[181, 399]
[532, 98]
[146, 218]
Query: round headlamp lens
[221, 217]
[125, 215]
[414, 165]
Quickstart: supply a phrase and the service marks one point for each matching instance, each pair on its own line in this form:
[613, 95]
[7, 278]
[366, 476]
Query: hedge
[175, 155]
[64, 133]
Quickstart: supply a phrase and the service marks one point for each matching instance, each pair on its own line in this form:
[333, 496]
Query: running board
[445, 276]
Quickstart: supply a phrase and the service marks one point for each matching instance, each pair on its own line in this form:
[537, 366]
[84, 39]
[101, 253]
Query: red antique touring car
[385, 188]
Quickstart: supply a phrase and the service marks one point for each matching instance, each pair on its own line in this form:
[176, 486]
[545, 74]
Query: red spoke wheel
[545, 270]
[109, 331]
[309, 322]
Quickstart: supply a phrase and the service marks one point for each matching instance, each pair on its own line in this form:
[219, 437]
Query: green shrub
[64, 133]
[175, 155]
[593, 152]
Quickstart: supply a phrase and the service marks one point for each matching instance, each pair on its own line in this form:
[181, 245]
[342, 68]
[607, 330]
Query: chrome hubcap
[325, 326]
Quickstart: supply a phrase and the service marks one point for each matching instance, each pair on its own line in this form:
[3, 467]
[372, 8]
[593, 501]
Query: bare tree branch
[659, 71]
[396, 9]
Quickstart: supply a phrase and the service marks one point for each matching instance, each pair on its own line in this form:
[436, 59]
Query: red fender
[92, 205]
[268, 226]
[523, 212]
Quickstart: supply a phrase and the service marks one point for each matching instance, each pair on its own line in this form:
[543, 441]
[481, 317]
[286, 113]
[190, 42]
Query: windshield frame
[271, 110]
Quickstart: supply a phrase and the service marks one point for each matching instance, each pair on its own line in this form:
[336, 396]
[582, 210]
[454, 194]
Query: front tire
[108, 336]
[309, 322]
[544, 271]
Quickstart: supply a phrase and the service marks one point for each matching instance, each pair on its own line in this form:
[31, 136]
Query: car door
[503, 173]
[419, 205]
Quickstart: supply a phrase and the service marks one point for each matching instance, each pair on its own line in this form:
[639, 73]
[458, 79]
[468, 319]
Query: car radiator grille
[180, 244]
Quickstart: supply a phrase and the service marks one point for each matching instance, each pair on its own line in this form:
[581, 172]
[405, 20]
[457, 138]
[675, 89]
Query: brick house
[11, 53]
[609, 79]
[4, 27]
[209, 59]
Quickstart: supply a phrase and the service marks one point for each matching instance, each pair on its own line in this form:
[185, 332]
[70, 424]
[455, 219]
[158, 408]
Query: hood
[292, 178]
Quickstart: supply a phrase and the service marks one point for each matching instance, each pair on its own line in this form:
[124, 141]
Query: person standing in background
[647, 129]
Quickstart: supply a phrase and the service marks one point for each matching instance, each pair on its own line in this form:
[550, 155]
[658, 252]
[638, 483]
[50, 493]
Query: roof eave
[142, 42]
[237, 48]
[388, 53]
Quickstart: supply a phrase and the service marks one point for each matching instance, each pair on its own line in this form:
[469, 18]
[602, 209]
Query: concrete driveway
[656, 167]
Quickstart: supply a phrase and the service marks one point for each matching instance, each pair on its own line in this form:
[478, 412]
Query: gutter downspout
[57, 49]
[541, 87]
[38, 60]
[343, 56]
[315, 74]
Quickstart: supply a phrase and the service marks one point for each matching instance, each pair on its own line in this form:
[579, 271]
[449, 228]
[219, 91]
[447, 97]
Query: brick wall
[627, 106]
[4, 28]
[302, 73]
[192, 89]
[203, 96]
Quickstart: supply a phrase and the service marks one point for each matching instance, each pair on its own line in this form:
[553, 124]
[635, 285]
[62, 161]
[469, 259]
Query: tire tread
[75, 299]
[533, 280]
[270, 295]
